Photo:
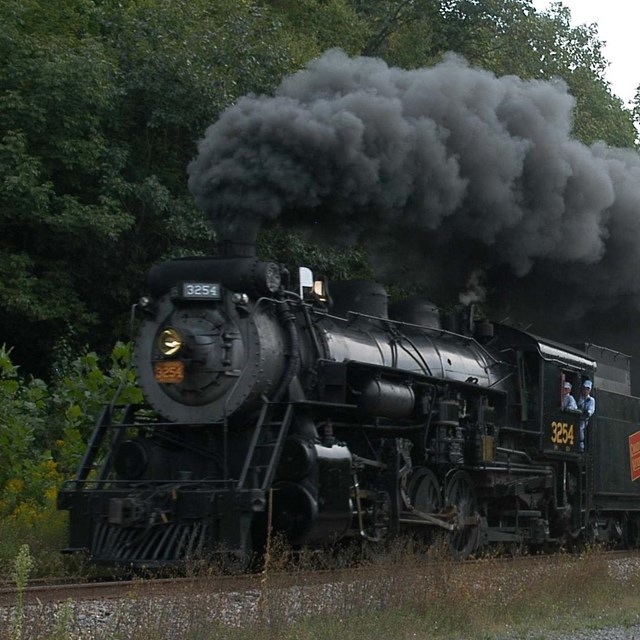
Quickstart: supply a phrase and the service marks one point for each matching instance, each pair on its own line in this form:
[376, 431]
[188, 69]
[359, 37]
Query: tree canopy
[102, 102]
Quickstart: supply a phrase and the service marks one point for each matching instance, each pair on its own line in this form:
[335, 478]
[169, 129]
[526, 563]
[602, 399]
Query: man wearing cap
[587, 405]
[568, 401]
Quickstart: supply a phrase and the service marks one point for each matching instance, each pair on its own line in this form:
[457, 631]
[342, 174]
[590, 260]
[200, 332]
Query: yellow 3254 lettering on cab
[562, 433]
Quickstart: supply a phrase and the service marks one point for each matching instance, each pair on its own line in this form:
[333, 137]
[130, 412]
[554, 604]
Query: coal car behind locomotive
[326, 416]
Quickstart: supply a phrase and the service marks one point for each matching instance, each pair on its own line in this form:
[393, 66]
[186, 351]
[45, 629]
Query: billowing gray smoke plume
[443, 173]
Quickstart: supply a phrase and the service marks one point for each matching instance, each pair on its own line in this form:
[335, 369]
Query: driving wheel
[425, 496]
[460, 496]
[424, 491]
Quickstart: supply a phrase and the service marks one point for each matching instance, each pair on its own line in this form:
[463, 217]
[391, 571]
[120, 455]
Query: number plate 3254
[169, 371]
[562, 433]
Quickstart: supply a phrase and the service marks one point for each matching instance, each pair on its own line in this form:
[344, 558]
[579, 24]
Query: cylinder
[318, 509]
[297, 459]
[295, 511]
[388, 399]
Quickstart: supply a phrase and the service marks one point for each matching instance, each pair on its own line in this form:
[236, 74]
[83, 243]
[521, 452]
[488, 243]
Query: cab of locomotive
[564, 371]
[543, 368]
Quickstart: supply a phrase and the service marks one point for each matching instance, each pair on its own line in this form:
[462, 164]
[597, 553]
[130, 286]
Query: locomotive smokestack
[236, 238]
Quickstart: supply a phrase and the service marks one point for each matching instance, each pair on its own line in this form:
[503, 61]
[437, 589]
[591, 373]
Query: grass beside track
[407, 596]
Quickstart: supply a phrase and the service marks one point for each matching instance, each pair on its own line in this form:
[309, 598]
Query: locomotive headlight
[170, 342]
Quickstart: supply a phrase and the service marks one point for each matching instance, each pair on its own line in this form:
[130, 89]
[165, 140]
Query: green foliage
[43, 434]
[293, 250]
[636, 109]
[101, 103]
[181, 62]
[23, 431]
[81, 390]
[56, 91]
[44, 428]
[43, 528]
[323, 24]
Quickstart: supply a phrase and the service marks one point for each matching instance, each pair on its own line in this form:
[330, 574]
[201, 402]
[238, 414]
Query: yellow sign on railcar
[634, 454]
[169, 371]
[562, 433]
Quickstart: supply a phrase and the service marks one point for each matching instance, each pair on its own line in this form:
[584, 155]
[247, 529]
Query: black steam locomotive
[314, 410]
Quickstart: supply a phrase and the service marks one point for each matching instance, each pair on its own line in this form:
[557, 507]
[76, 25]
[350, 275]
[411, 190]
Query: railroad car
[276, 403]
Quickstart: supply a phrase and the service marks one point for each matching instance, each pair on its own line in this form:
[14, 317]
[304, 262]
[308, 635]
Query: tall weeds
[22, 567]
[406, 594]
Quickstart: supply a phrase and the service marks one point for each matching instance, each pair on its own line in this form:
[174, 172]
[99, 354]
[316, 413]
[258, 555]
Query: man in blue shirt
[568, 401]
[587, 405]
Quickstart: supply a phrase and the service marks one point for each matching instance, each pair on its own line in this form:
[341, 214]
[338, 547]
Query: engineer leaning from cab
[587, 405]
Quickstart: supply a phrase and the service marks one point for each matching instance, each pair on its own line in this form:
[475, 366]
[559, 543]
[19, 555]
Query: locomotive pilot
[568, 401]
[587, 405]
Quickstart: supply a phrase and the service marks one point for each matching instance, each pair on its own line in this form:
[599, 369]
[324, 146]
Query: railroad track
[51, 591]
[57, 591]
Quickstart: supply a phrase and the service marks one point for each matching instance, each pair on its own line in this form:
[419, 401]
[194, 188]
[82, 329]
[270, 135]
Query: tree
[101, 104]
[322, 24]
[506, 37]
[57, 89]
[386, 20]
